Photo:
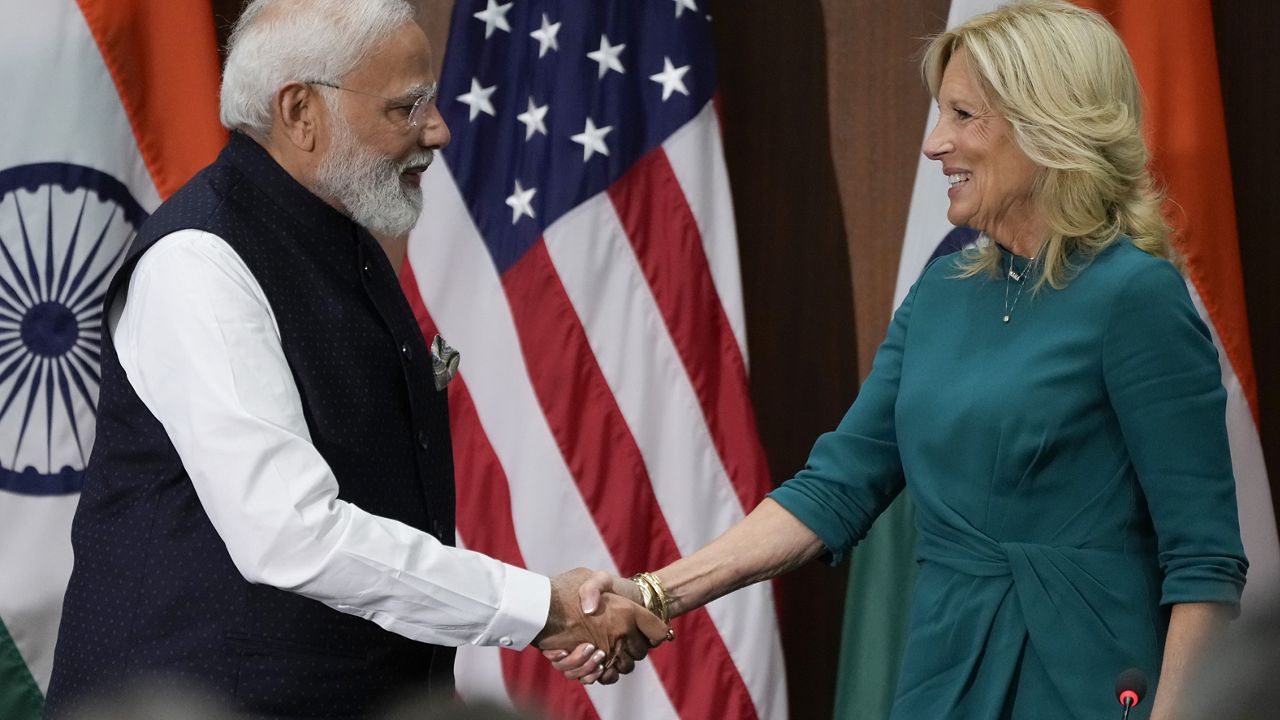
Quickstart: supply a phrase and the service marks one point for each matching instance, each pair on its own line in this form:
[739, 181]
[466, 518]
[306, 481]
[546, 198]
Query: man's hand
[585, 663]
[596, 635]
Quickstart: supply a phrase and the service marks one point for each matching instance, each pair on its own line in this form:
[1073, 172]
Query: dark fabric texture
[153, 589]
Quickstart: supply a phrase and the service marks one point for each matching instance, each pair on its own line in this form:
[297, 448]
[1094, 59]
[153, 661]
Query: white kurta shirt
[199, 344]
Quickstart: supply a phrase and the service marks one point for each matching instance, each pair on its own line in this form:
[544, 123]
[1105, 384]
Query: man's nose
[434, 131]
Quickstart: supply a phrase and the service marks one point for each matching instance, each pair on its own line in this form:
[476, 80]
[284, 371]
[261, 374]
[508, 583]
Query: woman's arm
[1193, 627]
[851, 476]
[1165, 385]
[766, 543]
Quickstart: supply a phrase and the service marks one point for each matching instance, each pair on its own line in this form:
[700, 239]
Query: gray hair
[279, 41]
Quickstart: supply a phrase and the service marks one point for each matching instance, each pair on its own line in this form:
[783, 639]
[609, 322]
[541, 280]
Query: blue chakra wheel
[63, 232]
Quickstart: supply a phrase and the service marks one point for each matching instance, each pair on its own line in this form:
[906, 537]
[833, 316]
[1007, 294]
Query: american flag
[578, 248]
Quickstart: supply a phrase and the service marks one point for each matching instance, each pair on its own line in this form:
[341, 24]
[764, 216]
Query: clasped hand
[596, 631]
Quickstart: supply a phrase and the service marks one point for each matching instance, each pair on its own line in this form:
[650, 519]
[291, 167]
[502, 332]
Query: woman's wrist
[653, 595]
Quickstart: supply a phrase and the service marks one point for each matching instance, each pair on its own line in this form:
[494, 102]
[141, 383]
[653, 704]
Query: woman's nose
[937, 144]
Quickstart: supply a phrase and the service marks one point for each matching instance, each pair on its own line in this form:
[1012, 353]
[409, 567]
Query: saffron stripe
[1175, 57]
[157, 52]
[1176, 60]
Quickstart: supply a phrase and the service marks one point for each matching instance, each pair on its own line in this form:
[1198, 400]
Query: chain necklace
[1017, 277]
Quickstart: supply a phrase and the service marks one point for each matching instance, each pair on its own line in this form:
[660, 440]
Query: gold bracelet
[648, 597]
[654, 595]
[646, 593]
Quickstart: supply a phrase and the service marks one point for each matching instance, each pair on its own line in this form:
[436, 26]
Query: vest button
[406, 351]
[423, 441]
[368, 269]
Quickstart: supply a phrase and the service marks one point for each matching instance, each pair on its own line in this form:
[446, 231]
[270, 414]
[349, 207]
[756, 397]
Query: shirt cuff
[522, 610]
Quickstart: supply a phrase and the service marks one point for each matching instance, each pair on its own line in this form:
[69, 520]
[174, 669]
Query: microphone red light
[1131, 687]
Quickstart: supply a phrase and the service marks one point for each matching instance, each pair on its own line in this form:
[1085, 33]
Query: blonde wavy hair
[1063, 78]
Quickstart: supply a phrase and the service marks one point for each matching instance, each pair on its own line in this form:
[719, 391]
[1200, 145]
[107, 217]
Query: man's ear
[298, 107]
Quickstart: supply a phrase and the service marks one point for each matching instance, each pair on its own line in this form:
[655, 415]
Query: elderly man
[269, 505]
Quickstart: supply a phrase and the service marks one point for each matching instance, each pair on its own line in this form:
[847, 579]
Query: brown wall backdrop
[823, 116]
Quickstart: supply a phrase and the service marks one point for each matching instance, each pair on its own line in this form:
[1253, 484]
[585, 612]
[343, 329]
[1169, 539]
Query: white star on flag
[682, 5]
[494, 16]
[592, 140]
[520, 202]
[671, 78]
[532, 119]
[607, 56]
[478, 99]
[546, 36]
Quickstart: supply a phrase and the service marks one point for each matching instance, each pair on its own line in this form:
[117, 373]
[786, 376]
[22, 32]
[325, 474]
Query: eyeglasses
[417, 112]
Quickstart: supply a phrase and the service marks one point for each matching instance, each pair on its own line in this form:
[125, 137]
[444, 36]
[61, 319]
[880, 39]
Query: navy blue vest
[153, 589]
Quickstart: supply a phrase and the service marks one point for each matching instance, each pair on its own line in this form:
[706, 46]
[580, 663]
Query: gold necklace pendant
[1018, 277]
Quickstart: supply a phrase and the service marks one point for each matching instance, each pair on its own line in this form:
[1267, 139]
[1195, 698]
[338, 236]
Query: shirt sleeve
[199, 343]
[1162, 375]
[855, 471]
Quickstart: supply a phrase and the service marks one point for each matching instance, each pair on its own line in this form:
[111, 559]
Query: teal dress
[1071, 478]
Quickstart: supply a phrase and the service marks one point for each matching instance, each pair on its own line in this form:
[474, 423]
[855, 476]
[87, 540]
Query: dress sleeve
[1164, 382]
[855, 471]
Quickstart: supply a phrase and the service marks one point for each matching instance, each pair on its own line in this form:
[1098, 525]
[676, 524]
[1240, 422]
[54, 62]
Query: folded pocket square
[444, 360]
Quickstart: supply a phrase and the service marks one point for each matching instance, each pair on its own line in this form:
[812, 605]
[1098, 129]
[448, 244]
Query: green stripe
[875, 618]
[20, 697]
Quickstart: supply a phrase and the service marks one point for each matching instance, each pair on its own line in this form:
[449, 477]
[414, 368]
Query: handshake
[599, 626]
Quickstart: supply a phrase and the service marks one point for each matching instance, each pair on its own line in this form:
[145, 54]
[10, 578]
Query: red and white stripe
[603, 419]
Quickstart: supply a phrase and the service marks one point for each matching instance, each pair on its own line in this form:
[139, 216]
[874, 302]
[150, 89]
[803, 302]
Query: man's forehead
[401, 63]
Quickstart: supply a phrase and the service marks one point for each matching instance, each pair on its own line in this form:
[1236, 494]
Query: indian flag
[109, 106]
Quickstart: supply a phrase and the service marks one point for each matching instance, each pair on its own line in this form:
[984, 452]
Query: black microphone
[1131, 687]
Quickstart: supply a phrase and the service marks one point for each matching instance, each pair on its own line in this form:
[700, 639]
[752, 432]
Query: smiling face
[374, 160]
[991, 179]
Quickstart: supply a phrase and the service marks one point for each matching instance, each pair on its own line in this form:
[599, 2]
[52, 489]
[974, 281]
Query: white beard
[368, 184]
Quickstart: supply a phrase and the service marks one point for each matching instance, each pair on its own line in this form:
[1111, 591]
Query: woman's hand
[586, 663]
